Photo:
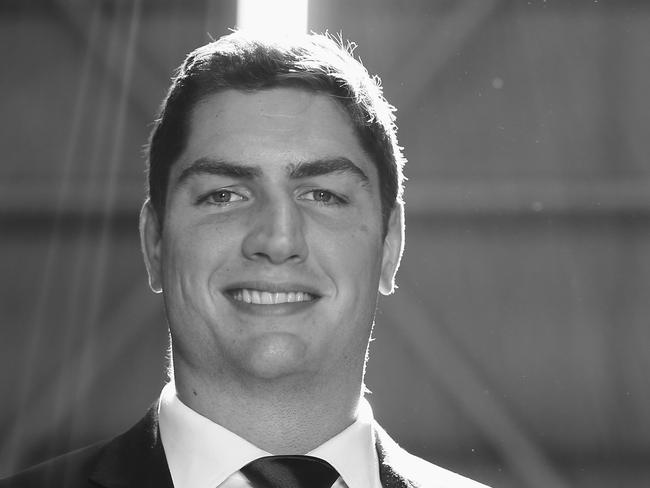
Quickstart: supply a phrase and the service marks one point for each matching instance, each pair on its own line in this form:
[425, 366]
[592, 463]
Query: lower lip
[287, 308]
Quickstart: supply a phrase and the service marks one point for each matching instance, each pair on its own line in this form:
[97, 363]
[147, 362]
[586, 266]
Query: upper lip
[274, 287]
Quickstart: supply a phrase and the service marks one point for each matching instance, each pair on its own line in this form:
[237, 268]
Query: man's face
[271, 251]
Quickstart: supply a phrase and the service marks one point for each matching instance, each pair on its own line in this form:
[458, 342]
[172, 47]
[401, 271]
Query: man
[274, 217]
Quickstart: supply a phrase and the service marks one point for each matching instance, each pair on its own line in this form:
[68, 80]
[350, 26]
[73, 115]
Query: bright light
[284, 17]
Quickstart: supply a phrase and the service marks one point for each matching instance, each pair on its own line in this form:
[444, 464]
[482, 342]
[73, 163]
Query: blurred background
[516, 348]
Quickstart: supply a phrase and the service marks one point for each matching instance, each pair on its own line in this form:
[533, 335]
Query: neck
[289, 415]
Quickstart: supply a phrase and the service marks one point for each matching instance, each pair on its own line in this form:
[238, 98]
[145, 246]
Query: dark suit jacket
[136, 459]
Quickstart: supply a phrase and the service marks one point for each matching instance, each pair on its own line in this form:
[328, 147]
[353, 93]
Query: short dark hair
[245, 62]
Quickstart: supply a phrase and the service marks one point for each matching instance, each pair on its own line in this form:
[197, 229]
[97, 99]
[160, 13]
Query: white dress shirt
[203, 454]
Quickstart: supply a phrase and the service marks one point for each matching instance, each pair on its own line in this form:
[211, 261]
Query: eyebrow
[301, 170]
[218, 167]
[322, 167]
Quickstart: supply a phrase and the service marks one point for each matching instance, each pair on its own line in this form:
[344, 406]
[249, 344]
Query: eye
[323, 196]
[221, 197]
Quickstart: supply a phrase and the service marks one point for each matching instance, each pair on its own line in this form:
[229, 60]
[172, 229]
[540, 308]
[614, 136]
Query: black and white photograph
[325, 244]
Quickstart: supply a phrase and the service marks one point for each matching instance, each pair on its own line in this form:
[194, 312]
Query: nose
[276, 234]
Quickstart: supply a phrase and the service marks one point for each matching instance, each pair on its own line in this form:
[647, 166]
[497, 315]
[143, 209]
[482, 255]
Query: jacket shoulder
[399, 468]
[135, 459]
[71, 470]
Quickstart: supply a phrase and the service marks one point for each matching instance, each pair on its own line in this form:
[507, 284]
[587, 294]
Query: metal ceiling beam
[113, 29]
[441, 359]
[586, 198]
[437, 46]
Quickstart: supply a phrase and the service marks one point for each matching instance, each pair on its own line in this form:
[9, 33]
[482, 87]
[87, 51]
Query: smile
[259, 297]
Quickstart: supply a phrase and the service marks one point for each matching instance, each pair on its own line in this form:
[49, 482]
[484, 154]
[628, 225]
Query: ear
[151, 242]
[392, 251]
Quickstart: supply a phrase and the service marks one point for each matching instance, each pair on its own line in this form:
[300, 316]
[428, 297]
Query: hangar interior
[515, 350]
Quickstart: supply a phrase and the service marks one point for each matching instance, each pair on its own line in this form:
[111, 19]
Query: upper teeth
[267, 298]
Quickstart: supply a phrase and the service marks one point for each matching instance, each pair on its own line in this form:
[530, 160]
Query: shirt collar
[352, 452]
[201, 453]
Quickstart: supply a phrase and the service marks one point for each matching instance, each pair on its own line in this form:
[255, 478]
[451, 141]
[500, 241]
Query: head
[317, 63]
[275, 211]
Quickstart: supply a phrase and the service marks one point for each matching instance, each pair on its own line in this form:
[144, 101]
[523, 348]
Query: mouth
[262, 297]
[265, 297]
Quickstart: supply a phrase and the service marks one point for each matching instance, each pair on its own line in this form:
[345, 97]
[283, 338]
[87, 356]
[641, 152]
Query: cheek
[193, 256]
[198, 246]
[357, 261]
[183, 255]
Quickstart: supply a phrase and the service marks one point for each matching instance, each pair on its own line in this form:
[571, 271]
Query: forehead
[274, 126]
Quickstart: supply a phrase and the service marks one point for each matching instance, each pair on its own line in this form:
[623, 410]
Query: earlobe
[151, 242]
[392, 251]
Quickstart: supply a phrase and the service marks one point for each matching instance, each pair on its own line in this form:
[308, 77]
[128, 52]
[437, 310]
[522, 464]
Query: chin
[277, 356]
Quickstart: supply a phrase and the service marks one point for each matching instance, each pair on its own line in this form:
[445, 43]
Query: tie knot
[290, 472]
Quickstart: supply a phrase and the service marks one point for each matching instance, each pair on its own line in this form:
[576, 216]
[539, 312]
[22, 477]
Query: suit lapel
[388, 453]
[135, 459]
